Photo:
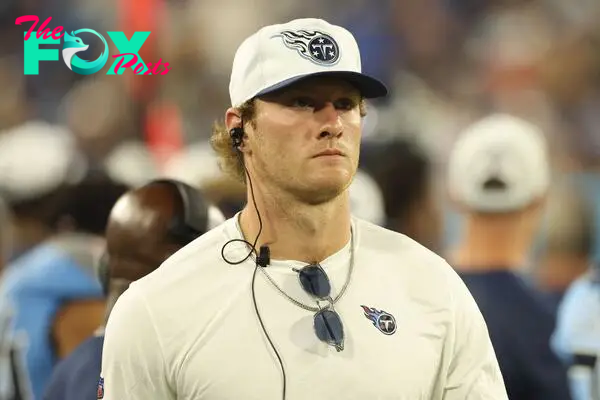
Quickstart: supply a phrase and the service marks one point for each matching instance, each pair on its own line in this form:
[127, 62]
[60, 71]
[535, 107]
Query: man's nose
[331, 121]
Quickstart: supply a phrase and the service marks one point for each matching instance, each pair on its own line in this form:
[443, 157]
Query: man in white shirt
[331, 306]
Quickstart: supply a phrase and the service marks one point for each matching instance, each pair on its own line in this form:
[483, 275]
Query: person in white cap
[37, 160]
[499, 175]
[293, 298]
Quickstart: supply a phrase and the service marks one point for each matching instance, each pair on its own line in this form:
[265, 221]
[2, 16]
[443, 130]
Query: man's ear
[233, 118]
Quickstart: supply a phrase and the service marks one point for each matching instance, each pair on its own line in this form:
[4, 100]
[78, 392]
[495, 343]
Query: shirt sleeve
[474, 373]
[133, 365]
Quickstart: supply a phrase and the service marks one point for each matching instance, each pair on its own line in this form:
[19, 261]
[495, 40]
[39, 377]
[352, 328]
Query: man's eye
[345, 104]
[302, 102]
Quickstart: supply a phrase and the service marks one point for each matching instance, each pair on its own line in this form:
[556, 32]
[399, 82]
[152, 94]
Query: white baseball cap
[498, 164]
[278, 55]
[35, 159]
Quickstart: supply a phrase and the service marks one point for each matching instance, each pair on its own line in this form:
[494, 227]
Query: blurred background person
[499, 175]
[50, 299]
[565, 245]
[37, 160]
[146, 226]
[576, 339]
[404, 175]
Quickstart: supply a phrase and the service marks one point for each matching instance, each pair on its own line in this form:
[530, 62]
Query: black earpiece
[237, 136]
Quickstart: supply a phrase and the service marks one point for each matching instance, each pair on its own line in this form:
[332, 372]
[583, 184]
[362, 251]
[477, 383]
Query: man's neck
[487, 247]
[297, 231]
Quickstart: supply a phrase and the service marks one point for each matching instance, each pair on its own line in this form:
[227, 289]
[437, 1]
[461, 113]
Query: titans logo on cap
[315, 46]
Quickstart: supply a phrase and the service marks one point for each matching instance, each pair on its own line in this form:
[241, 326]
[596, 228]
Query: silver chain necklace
[300, 304]
[340, 294]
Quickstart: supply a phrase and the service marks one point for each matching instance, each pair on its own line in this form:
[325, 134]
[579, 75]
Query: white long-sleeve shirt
[190, 331]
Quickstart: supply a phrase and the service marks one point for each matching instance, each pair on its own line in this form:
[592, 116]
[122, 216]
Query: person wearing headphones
[146, 226]
[294, 297]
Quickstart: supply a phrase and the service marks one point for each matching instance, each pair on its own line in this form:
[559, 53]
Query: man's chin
[323, 191]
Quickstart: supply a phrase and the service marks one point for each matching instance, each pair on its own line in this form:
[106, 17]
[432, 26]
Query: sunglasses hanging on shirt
[327, 322]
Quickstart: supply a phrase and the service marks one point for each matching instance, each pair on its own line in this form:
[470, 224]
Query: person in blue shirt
[50, 299]
[576, 338]
[146, 226]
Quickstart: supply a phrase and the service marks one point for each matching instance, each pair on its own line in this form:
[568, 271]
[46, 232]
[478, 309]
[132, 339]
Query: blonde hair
[230, 159]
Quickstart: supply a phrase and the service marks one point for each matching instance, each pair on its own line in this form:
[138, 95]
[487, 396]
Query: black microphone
[264, 256]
